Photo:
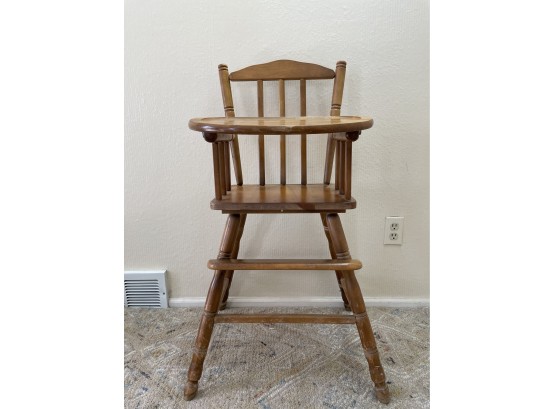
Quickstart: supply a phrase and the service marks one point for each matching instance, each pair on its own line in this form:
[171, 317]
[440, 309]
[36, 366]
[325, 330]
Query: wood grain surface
[281, 125]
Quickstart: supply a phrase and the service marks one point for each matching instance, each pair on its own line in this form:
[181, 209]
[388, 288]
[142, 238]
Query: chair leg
[213, 300]
[234, 254]
[354, 295]
[338, 274]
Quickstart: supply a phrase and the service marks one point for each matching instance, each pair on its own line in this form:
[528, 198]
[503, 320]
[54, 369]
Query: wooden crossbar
[284, 319]
[284, 264]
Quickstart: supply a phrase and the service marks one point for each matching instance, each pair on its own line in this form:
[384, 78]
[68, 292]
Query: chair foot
[347, 307]
[383, 394]
[191, 390]
[223, 306]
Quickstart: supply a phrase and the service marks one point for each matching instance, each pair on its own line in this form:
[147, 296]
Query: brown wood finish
[230, 113]
[211, 306]
[282, 145]
[338, 273]
[337, 98]
[337, 166]
[261, 155]
[303, 136]
[225, 86]
[356, 301]
[328, 164]
[348, 168]
[285, 319]
[225, 146]
[279, 125]
[237, 161]
[345, 168]
[339, 158]
[282, 70]
[325, 199]
[234, 254]
[216, 159]
[222, 166]
[346, 136]
[278, 198]
[216, 137]
[338, 85]
[284, 264]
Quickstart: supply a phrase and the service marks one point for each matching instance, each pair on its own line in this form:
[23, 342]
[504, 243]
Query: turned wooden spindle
[356, 302]
[234, 254]
[338, 85]
[344, 161]
[210, 309]
[337, 165]
[221, 161]
[282, 140]
[337, 98]
[303, 136]
[338, 274]
[227, 97]
[216, 160]
[340, 158]
[227, 167]
[261, 157]
[328, 164]
[344, 167]
[348, 168]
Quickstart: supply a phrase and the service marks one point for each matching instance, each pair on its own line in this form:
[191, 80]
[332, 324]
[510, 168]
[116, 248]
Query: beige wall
[172, 50]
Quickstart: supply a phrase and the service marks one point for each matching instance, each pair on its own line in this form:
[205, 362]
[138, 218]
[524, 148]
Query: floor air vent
[145, 289]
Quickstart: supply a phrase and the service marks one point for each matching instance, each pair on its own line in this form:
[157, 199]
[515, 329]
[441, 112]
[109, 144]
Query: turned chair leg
[213, 300]
[234, 254]
[338, 274]
[354, 295]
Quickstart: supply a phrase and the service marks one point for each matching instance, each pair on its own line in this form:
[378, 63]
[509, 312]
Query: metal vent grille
[145, 289]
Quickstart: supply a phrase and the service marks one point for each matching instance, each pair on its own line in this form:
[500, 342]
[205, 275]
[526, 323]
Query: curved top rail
[283, 70]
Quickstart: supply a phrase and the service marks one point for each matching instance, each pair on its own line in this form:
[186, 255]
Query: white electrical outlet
[393, 232]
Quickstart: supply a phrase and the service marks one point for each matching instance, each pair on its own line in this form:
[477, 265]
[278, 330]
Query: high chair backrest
[281, 71]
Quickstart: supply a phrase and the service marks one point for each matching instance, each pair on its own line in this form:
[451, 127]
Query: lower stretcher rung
[285, 318]
[283, 264]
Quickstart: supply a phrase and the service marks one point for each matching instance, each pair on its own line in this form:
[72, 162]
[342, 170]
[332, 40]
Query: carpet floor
[275, 366]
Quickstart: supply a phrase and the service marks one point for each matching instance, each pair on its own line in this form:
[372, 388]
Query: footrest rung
[284, 318]
[283, 264]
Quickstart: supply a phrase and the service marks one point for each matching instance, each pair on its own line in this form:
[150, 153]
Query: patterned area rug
[273, 366]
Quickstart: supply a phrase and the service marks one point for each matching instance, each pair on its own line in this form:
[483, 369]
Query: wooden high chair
[325, 199]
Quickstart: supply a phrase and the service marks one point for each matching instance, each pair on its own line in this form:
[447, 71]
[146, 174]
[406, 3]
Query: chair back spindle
[339, 146]
[303, 136]
[282, 146]
[261, 157]
[230, 112]
[337, 98]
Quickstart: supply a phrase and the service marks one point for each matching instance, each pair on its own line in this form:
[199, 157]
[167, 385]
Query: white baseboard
[301, 302]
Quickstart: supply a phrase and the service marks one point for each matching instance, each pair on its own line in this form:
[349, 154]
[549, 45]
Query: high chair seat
[283, 198]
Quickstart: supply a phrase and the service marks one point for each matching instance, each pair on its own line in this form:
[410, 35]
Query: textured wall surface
[172, 50]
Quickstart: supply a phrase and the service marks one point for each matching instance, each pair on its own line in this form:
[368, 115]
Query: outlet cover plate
[393, 231]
